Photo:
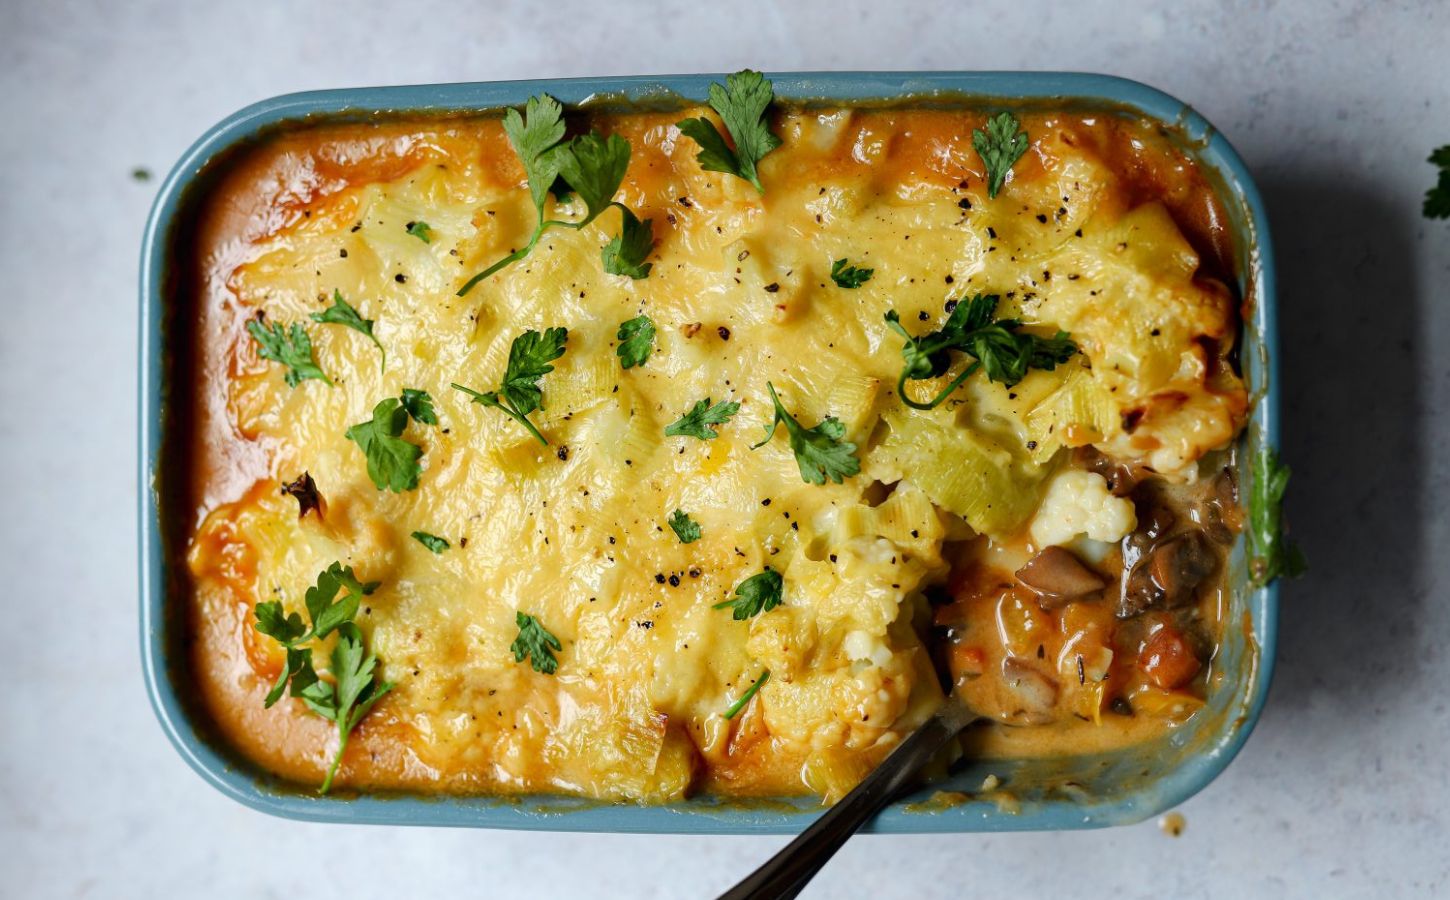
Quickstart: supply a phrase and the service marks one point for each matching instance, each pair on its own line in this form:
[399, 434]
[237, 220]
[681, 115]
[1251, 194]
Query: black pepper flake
[1042, 218]
[694, 572]
[723, 332]
[833, 557]
[922, 316]
[991, 232]
[659, 578]
[400, 278]
[951, 305]
[1156, 331]
[1077, 233]
[674, 580]
[765, 502]
[964, 203]
[772, 287]
[795, 526]
[342, 253]
[949, 279]
[1031, 445]
[463, 542]
[562, 453]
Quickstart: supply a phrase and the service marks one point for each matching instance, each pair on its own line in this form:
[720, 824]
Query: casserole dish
[1079, 791]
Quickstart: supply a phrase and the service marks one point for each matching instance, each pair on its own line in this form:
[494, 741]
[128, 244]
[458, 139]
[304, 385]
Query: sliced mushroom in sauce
[1057, 577]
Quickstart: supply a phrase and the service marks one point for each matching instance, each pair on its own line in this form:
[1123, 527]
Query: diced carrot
[966, 660]
[1167, 659]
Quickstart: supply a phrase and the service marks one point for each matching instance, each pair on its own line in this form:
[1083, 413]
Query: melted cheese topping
[575, 533]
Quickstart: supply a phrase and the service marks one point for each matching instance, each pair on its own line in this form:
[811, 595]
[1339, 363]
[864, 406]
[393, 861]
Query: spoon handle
[785, 874]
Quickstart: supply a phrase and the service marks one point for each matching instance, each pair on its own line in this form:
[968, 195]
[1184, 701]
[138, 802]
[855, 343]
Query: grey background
[1341, 792]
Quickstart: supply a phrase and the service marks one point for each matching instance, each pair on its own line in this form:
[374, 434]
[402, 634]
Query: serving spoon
[786, 873]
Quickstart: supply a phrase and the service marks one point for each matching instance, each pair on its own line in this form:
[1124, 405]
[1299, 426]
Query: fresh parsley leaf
[392, 461]
[535, 135]
[289, 346]
[755, 595]
[741, 104]
[695, 422]
[354, 688]
[1271, 555]
[592, 166]
[684, 527]
[995, 345]
[431, 541]
[275, 623]
[734, 709]
[849, 276]
[536, 643]
[419, 406]
[323, 607]
[624, 255]
[353, 693]
[999, 146]
[820, 452]
[636, 340]
[422, 231]
[305, 490]
[530, 356]
[1437, 198]
[342, 313]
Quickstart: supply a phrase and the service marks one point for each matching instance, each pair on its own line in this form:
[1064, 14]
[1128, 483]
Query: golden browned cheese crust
[1103, 231]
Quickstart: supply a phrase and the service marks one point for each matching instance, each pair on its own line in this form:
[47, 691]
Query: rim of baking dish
[708, 815]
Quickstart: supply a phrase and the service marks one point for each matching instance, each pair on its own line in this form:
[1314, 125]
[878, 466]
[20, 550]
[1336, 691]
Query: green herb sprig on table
[995, 345]
[1437, 198]
[530, 358]
[590, 165]
[355, 687]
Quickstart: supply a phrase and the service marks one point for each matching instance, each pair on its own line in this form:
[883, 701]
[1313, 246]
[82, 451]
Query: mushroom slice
[1058, 577]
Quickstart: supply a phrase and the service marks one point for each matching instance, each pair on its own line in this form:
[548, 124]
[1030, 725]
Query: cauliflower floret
[1079, 502]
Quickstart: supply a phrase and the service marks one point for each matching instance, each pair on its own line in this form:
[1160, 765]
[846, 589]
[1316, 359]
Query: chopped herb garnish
[422, 231]
[419, 405]
[734, 709]
[821, 452]
[289, 346]
[305, 490]
[684, 527]
[741, 104]
[355, 688]
[849, 276]
[530, 356]
[755, 595]
[995, 345]
[636, 340]
[342, 313]
[536, 644]
[1271, 555]
[624, 255]
[696, 422]
[1437, 198]
[392, 461]
[431, 541]
[999, 146]
[590, 165]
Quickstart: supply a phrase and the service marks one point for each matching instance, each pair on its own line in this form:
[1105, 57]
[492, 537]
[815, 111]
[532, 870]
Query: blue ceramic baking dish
[1080, 792]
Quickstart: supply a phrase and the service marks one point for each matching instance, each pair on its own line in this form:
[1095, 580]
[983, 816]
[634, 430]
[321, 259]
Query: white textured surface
[1343, 790]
